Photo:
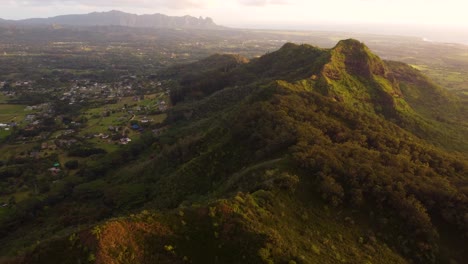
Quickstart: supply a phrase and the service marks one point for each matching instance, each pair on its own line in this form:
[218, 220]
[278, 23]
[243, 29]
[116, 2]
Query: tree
[12, 201]
[72, 164]
[331, 190]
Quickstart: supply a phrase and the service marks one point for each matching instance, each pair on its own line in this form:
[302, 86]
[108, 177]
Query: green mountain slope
[303, 155]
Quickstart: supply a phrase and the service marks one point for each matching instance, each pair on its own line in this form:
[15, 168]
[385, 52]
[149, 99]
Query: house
[30, 118]
[125, 141]
[66, 143]
[68, 132]
[54, 170]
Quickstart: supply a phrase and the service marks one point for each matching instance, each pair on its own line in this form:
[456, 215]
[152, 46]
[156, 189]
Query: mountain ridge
[270, 161]
[119, 18]
[348, 73]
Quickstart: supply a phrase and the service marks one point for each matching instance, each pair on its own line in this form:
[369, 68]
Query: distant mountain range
[118, 18]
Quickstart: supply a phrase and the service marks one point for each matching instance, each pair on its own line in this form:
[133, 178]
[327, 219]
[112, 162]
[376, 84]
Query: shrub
[72, 164]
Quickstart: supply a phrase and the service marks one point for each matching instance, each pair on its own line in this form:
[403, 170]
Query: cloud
[264, 2]
[173, 4]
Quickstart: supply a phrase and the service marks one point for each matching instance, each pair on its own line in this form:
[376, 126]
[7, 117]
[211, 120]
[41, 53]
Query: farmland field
[12, 113]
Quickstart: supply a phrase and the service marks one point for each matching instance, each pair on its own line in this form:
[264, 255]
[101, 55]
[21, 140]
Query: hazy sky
[261, 12]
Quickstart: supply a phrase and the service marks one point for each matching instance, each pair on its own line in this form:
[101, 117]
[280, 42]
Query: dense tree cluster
[358, 160]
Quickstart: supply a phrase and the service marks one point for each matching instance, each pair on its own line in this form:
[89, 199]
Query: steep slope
[351, 74]
[281, 162]
[118, 18]
[440, 116]
[204, 77]
[290, 63]
[357, 77]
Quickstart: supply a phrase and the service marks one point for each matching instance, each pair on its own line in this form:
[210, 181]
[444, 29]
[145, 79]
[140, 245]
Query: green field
[12, 113]
[4, 133]
[100, 118]
[8, 151]
[3, 98]
[98, 121]
[448, 78]
[107, 146]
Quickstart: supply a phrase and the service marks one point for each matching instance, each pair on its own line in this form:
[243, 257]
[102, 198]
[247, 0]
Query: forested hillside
[304, 155]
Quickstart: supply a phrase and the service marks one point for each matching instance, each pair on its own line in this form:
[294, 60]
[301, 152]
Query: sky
[262, 13]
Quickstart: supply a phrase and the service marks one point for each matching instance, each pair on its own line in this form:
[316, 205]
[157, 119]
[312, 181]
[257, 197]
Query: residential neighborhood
[48, 120]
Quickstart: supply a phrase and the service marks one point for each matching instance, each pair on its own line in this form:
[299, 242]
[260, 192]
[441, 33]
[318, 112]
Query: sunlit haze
[415, 17]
